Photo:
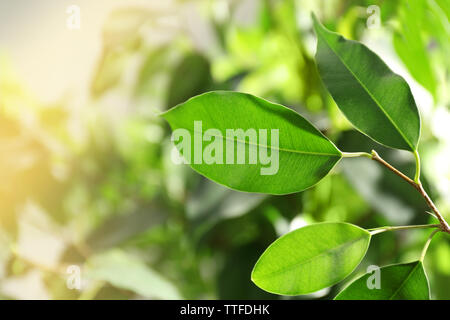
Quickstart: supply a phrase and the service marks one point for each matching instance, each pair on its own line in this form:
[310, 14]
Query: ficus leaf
[411, 47]
[301, 156]
[125, 271]
[375, 100]
[397, 282]
[311, 258]
[198, 68]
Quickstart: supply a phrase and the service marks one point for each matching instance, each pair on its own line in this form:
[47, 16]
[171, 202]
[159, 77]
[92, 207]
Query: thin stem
[376, 157]
[432, 214]
[427, 244]
[356, 154]
[389, 228]
[415, 183]
[418, 186]
[444, 225]
[417, 176]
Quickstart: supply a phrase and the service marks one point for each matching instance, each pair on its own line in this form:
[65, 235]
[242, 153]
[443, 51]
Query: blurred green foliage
[95, 187]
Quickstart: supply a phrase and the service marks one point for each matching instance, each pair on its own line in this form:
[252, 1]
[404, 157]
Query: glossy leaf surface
[311, 258]
[300, 155]
[397, 282]
[375, 100]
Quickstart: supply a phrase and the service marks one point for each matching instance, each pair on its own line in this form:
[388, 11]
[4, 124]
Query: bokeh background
[89, 196]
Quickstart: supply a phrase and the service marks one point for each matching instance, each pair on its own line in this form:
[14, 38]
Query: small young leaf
[295, 154]
[375, 100]
[311, 258]
[397, 282]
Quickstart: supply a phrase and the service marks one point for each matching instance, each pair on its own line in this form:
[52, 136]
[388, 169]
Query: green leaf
[125, 271]
[397, 282]
[311, 258]
[375, 100]
[198, 69]
[300, 159]
[411, 43]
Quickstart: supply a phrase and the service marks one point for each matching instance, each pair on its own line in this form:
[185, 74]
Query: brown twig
[418, 186]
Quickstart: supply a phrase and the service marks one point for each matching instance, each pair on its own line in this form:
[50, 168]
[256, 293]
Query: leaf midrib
[296, 265]
[404, 282]
[273, 148]
[370, 94]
